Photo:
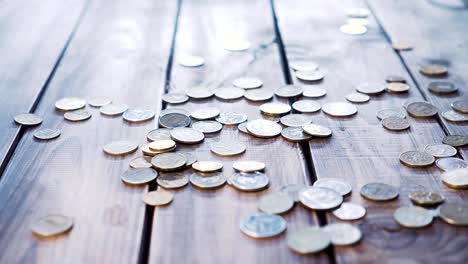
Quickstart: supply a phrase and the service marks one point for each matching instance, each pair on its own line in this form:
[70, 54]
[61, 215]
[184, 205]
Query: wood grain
[120, 50]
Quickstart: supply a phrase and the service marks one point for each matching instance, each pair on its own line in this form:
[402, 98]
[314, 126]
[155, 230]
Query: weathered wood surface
[120, 50]
[361, 150]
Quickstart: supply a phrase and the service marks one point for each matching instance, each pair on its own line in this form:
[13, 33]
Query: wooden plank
[203, 226]
[360, 150]
[33, 36]
[120, 50]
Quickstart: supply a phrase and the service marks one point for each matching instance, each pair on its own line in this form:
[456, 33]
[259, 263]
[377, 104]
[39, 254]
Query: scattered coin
[337, 185]
[236, 45]
[416, 158]
[309, 240]
[395, 123]
[413, 216]
[454, 214]
[199, 92]
[174, 110]
[231, 118]
[441, 150]
[293, 190]
[295, 134]
[169, 161]
[300, 65]
[191, 61]
[52, 225]
[139, 176]
[263, 225]
[205, 113]
[442, 87]
[358, 98]
[46, 134]
[149, 152]
[272, 118]
[395, 79]
[227, 148]
[306, 106]
[343, 234]
[310, 76]
[275, 203]
[317, 130]
[421, 109]
[247, 82]
[159, 134]
[275, 108]
[263, 128]
[447, 164]
[456, 179]
[172, 180]
[378, 192]
[77, 115]
[141, 162]
[242, 128]
[207, 166]
[28, 119]
[385, 113]
[190, 158]
[319, 198]
[229, 93]
[248, 166]
[339, 109]
[175, 98]
[255, 181]
[161, 145]
[289, 91]
[99, 101]
[207, 127]
[113, 109]
[70, 103]
[397, 87]
[433, 70]
[358, 12]
[120, 147]
[455, 140]
[454, 116]
[174, 120]
[314, 92]
[257, 95]
[402, 46]
[353, 29]
[460, 106]
[208, 180]
[424, 198]
[295, 120]
[157, 198]
[371, 88]
[349, 212]
[359, 21]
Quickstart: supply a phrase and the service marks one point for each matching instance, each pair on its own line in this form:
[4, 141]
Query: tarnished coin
[77, 115]
[460, 106]
[70, 103]
[442, 87]
[248, 166]
[310, 76]
[421, 109]
[317, 130]
[454, 116]
[395, 123]
[99, 101]
[158, 198]
[263, 128]
[46, 134]
[138, 115]
[120, 147]
[275, 108]
[426, 198]
[295, 120]
[28, 119]
[433, 69]
[169, 161]
[289, 91]
[208, 180]
[343, 234]
[302, 65]
[314, 92]
[456, 179]
[113, 109]
[199, 92]
[242, 128]
[191, 61]
[174, 110]
[191, 158]
[141, 162]
[187, 135]
[207, 166]
[358, 98]
[339, 109]
[395, 79]
[455, 140]
[306, 106]
[175, 98]
[441, 150]
[229, 93]
[371, 88]
[454, 214]
[416, 158]
[207, 127]
[172, 180]
[413, 216]
[227, 148]
[402, 46]
[337, 185]
[160, 145]
[231, 118]
[447, 164]
[379, 192]
[349, 212]
[275, 203]
[159, 134]
[205, 113]
[249, 182]
[247, 82]
[258, 95]
[358, 12]
[382, 114]
[52, 225]
[397, 87]
[295, 134]
[139, 176]
[309, 240]
[233, 44]
[320, 198]
[263, 225]
[174, 120]
[292, 190]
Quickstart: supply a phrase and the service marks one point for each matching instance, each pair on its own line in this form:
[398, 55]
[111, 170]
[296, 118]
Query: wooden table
[128, 50]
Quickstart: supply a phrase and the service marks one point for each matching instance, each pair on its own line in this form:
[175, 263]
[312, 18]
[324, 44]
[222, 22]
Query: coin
[385, 113]
[454, 214]
[113, 109]
[229, 93]
[120, 147]
[310, 76]
[441, 150]
[227, 148]
[263, 128]
[455, 140]
[254, 181]
[395, 78]
[139, 176]
[138, 115]
[421, 109]
[207, 166]
[175, 98]
[207, 127]
[205, 113]
[172, 180]
[416, 159]
[358, 98]
[413, 216]
[247, 82]
[337, 185]
[395, 123]
[52, 225]
[242, 128]
[295, 120]
[187, 135]
[248, 166]
[231, 118]
[353, 29]
[320, 198]
[191, 61]
[317, 130]
[426, 198]
[157, 198]
[99, 101]
[173, 110]
[301, 65]
[309, 240]
[447, 164]
[159, 134]
[199, 92]
[339, 109]
[314, 92]
[275, 108]
[360, 21]
[295, 134]
[433, 69]
[456, 179]
[460, 106]
[379, 192]
[174, 120]
[343, 234]
[358, 12]
[169, 161]
[263, 225]
[149, 152]
[46, 134]
[442, 87]
[208, 180]
[257, 95]
[236, 45]
[396, 87]
[402, 46]
[70, 103]
[292, 190]
[371, 88]
[289, 91]
[349, 212]
[160, 145]
[141, 162]
[306, 106]
[275, 203]
[454, 116]
[189, 156]
[28, 119]
[77, 115]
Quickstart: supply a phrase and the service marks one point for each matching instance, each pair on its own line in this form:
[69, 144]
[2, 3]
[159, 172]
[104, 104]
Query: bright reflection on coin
[175, 98]
[187, 135]
[456, 179]
[229, 93]
[70, 103]
[310, 76]
[295, 134]
[205, 113]
[319, 198]
[339, 109]
[314, 92]
[306, 106]
[301, 65]
[349, 212]
[46, 134]
[157, 198]
[460, 106]
[28, 119]
[317, 130]
[433, 70]
[77, 115]
[208, 180]
[395, 123]
[207, 127]
[191, 61]
[138, 115]
[289, 91]
[227, 148]
[396, 87]
[441, 150]
[295, 120]
[199, 92]
[337, 185]
[169, 161]
[442, 87]
[120, 147]
[99, 101]
[207, 166]
[113, 109]
[275, 108]
[371, 88]
[343, 234]
[454, 214]
[447, 164]
[248, 166]
[159, 134]
[249, 181]
[258, 95]
[52, 225]
[454, 116]
[358, 98]
[353, 29]
[421, 109]
[141, 162]
[382, 114]
[263, 128]
[247, 82]
[231, 118]
[263, 225]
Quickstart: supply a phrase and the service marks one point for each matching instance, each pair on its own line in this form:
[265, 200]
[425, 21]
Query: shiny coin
[371, 88]
[138, 115]
[159, 134]
[70, 103]
[174, 110]
[292, 190]
[426, 198]
[227, 148]
[455, 140]
[353, 29]
[300, 65]
[120, 147]
[187, 135]
[242, 128]
[208, 180]
[199, 92]
[343, 234]
[314, 92]
[442, 87]
[339, 109]
[77, 115]
[402, 46]
[248, 82]
[460, 106]
[295, 120]
[447, 164]
[349, 212]
[149, 152]
[295, 134]
[358, 98]
[395, 123]
[454, 214]
[139, 176]
[169, 161]
[310, 76]
[397, 87]
[275, 203]
[249, 181]
[385, 113]
[413, 216]
[263, 225]
[157, 198]
[433, 70]
[358, 12]
[379, 192]
[395, 79]
[46, 134]
[141, 162]
[360, 21]
[421, 109]
[273, 118]
[319, 198]
[416, 159]
[231, 118]
[441, 150]
[113, 109]
[207, 166]
[175, 98]
[207, 127]
[190, 158]
[28, 119]
[454, 116]
[174, 120]
[99, 101]
[236, 44]
[337, 185]
[52, 225]
[160, 145]
[205, 113]
[263, 128]
[275, 108]
[172, 180]
[229, 93]
[456, 179]
[309, 240]
[289, 91]
[257, 95]
[248, 166]
[317, 130]
[306, 106]
[191, 61]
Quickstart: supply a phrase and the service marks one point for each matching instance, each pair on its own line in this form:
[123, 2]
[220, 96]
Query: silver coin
[339, 109]
[382, 114]
[395, 123]
[319, 198]
[263, 225]
[159, 134]
[397, 87]
[191, 158]
[199, 92]
[353, 29]
[207, 127]
[455, 140]
[172, 180]
[413, 216]
[441, 150]
[349, 212]
[191, 61]
[454, 116]
[395, 78]
[421, 109]
[371, 88]
[207, 166]
[187, 135]
[442, 87]
[229, 93]
[231, 118]
[120, 147]
[249, 181]
[27, 119]
[209, 180]
[377, 191]
[343, 234]
[139, 176]
[314, 92]
[358, 98]
[46, 134]
[99, 101]
[169, 161]
[227, 148]
[460, 106]
[272, 118]
[205, 113]
[317, 130]
[174, 120]
[309, 240]
[293, 190]
[70, 103]
[174, 110]
[337, 185]
[242, 128]
[295, 120]
[310, 76]
[447, 164]
[236, 45]
[289, 91]
[175, 98]
[275, 108]
[113, 109]
[301, 65]
[275, 203]
[295, 134]
[77, 115]
[263, 128]
[306, 106]
[247, 82]
[248, 166]
[258, 95]
[138, 115]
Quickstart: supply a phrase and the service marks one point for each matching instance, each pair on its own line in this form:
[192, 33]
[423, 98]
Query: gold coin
[174, 120]
[339, 109]
[227, 148]
[263, 225]
[231, 118]
[247, 82]
[172, 180]
[205, 113]
[207, 166]
[77, 115]
[249, 182]
[456, 179]
[99, 101]
[289, 91]
[447, 164]
[384, 113]
[161, 145]
[199, 92]
[295, 134]
[52, 225]
[442, 87]
[207, 127]
[120, 147]
[426, 198]
[141, 162]
[159, 134]
[175, 98]
[263, 128]
[378, 192]
[187, 135]
[28, 119]
[209, 180]
[349, 212]
[337, 185]
[306, 106]
[343, 234]
[136, 115]
[157, 198]
[309, 240]
[353, 29]
[275, 108]
[317, 130]
[358, 98]
[413, 216]
[295, 120]
[421, 109]
[371, 88]
[70, 103]
[248, 166]
[455, 140]
[275, 203]
[229, 93]
[149, 152]
[292, 190]
[258, 95]
[416, 159]
[169, 161]
[441, 150]
[454, 214]
[433, 70]
[46, 134]
[402, 46]
[397, 87]
[395, 123]
[460, 106]
[113, 109]
[139, 176]
[319, 198]
[310, 76]
[191, 61]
